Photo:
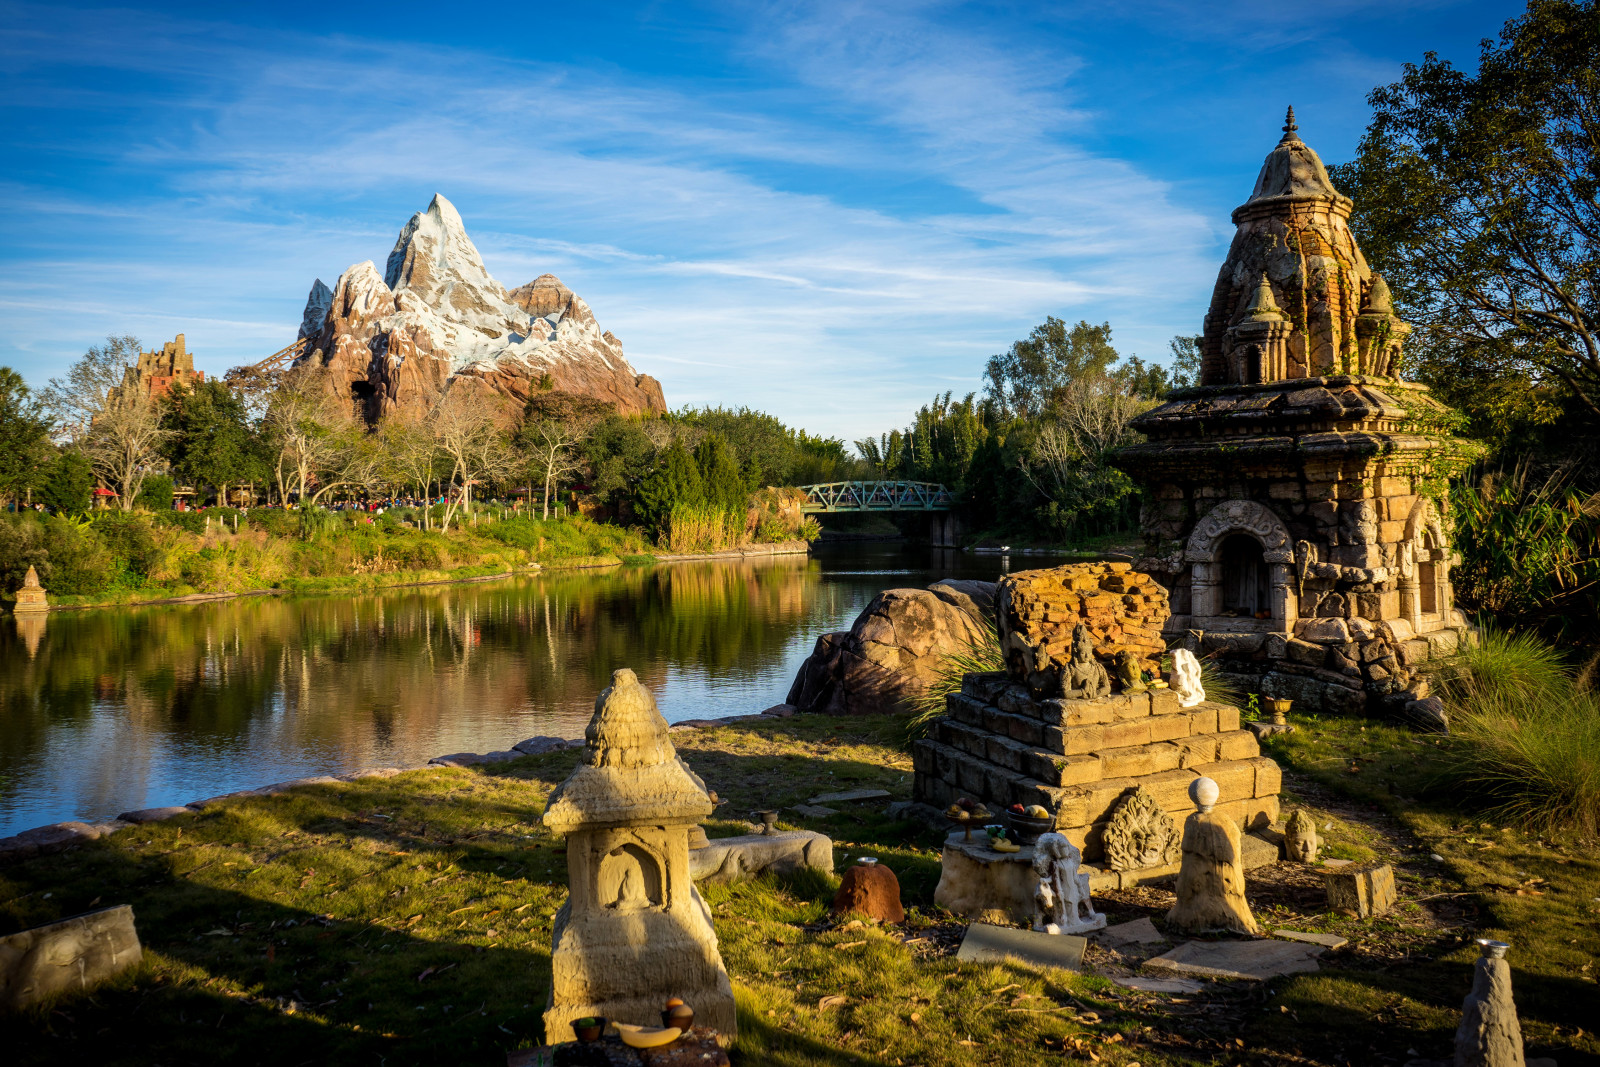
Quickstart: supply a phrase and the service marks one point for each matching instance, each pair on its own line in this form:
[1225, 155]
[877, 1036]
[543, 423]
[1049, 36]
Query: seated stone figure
[1062, 888]
[1085, 676]
[1186, 678]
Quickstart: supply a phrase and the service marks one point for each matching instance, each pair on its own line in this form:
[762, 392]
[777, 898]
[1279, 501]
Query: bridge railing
[877, 496]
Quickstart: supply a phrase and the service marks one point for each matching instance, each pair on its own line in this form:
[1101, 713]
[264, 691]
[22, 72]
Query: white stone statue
[1062, 888]
[1186, 678]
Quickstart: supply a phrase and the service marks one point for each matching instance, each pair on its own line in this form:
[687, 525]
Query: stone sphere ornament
[1205, 793]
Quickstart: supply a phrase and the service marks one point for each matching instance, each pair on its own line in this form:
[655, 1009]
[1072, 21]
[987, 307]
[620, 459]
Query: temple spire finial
[1289, 127]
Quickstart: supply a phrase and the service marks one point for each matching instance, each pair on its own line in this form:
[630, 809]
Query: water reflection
[103, 711]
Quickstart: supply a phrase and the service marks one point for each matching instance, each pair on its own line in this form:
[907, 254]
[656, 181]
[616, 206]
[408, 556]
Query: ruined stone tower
[1295, 499]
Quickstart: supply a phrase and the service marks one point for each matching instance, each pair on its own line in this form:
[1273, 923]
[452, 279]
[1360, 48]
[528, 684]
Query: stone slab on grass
[1137, 932]
[997, 944]
[814, 811]
[1253, 960]
[70, 956]
[850, 796]
[733, 859]
[153, 814]
[1160, 985]
[1327, 940]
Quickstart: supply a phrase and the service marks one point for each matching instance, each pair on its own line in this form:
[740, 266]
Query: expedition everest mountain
[436, 318]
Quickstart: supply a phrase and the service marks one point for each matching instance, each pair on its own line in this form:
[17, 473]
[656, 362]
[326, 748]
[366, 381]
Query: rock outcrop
[392, 342]
[893, 650]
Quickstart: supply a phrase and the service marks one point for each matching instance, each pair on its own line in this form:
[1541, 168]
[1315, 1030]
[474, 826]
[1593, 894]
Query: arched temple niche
[631, 876]
[1425, 594]
[1241, 561]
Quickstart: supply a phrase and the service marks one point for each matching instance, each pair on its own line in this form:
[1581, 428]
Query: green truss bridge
[876, 496]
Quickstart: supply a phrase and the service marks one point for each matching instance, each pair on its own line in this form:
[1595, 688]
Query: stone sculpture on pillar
[1211, 881]
[1489, 1034]
[1186, 678]
[1085, 677]
[634, 930]
[1062, 888]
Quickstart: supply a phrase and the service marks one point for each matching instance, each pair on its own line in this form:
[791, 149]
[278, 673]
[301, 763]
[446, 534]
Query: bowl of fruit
[1027, 823]
[965, 814]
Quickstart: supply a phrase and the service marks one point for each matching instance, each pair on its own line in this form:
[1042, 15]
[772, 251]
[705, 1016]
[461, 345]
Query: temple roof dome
[1293, 172]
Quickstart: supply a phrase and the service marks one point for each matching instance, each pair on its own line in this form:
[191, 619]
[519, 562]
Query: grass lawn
[407, 920]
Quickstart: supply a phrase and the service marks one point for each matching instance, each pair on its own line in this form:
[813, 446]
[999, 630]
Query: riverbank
[115, 559]
[406, 917]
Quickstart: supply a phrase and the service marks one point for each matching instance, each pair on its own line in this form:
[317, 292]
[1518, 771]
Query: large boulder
[893, 651]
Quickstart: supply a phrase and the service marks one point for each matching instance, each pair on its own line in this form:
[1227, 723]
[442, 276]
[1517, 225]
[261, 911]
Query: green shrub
[1526, 732]
[131, 540]
[155, 494]
[22, 545]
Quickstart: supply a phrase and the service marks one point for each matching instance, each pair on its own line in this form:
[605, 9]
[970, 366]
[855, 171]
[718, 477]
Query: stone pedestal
[634, 930]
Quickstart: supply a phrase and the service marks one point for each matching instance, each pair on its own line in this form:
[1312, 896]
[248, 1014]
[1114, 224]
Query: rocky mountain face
[435, 317]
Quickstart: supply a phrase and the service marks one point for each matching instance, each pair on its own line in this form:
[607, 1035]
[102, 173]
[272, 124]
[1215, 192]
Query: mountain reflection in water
[108, 710]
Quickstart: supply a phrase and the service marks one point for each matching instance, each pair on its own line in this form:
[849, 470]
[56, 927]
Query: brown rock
[892, 651]
[870, 889]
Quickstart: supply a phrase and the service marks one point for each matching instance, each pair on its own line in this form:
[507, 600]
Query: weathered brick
[1170, 727]
[1126, 733]
[1203, 719]
[1053, 769]
[1084, 739]
[1227, 718]
[1137, 760]
[1164, 702]
[1238, 744]
[1235, 778]
[964, 708]
[1026, 731]
[1269, 777]
[1195, 750]
[1066, 712]
[1004, 752]
[1129, 706]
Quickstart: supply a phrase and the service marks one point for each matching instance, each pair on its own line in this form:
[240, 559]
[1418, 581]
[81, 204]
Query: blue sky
[826, 211]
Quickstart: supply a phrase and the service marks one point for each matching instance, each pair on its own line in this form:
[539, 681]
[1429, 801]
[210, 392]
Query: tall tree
[466, 431]
[118, 427]
[1476, 196]
[554, 424]
[211, 442]
[1029, 379]
[675, 481]
[67, 485]
[316, 445]
[24, 435]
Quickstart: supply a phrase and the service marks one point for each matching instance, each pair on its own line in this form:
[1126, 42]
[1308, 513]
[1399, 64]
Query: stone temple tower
[1295, 499]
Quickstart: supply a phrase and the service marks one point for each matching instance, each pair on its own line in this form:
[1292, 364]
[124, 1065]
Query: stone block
[1196, 749]
[733, 859]
[1269, 776]
[1251, 813]
[1140, 759]
[1170, 790]
[1025, 730]
[1237, 744]
[1067, 713]
[1203, 719]
[1171, 727]
[1236, 779]
[1322, 631]
[1102, 796]
[1227, 718]
[1082, 740]
[1164, 702]
[1130, 706]
[1130, 732]
[1365, 889]
[1443, 643]
[1305, 652]
[70, 956]
[1004, 752]
[1073, 770]
[1252, 960]
[985, 943]
[964, 708]
[1392, 532]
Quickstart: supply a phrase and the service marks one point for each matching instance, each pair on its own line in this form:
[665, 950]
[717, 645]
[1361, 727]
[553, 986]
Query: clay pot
[588, 1029]
[682, 1017]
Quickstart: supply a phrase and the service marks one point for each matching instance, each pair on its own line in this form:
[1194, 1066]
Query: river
[108, 710]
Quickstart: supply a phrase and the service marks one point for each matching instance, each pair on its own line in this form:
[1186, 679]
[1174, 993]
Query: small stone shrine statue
[1062, 888]
[1211, 881]
[1300, 840]
[1186, 678]
[1129, 673]
[634, 930]
[1489, 1034]
[30, 597]
[1085, 676]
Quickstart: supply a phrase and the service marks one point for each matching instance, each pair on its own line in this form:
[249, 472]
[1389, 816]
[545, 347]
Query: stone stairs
[1079, 757]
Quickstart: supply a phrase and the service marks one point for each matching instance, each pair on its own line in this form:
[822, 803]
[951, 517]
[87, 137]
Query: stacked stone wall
[1123, 609]
[1080, 757]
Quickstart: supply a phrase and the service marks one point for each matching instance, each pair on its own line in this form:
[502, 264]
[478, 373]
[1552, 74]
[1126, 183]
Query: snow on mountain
[436, 318]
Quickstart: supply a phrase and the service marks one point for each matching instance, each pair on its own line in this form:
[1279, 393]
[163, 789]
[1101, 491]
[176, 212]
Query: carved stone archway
[1425, 592]
[1203, 553]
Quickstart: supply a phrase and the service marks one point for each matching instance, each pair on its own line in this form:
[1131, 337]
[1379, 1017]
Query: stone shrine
[1084, 758]
[30, 598]
[634, 930]
[1295, 499]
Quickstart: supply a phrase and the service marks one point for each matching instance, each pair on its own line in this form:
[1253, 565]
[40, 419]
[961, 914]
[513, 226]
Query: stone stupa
[634, 930]
[30, 598]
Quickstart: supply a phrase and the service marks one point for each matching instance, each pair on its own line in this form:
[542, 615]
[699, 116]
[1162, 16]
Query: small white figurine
[1186, 678]
[1062, 888]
